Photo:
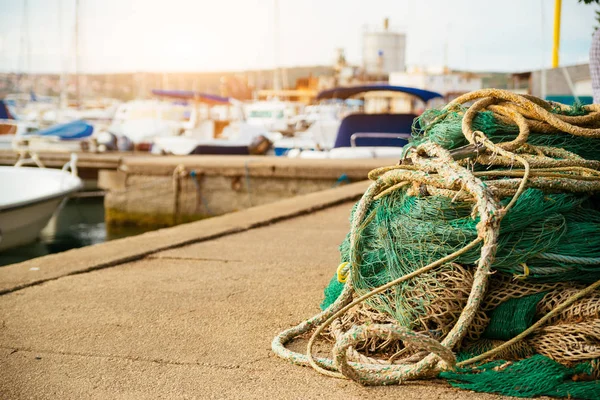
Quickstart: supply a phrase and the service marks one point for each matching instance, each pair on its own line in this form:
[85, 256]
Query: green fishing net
[405, 233]
[444, 128]
[534, 376]
[545, 238]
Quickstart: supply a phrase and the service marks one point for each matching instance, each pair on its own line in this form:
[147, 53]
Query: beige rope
[431, 167]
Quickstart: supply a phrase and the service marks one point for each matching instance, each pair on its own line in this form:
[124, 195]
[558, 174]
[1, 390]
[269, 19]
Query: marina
[241, 200]
[156, 191]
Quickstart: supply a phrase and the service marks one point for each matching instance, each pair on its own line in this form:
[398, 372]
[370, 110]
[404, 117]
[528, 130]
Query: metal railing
[378, 135]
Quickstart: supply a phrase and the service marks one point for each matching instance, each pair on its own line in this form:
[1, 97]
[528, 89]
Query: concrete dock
[156, 191]
[183, 313]
[164, 191]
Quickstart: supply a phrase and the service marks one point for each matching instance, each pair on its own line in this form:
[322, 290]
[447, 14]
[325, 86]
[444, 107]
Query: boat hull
[28, 198]
[22, 225]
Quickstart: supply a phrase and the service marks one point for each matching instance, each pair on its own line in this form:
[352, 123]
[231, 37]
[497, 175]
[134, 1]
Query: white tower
[383, 51]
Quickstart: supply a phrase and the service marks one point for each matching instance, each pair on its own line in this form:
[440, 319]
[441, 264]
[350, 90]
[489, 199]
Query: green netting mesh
[545, 238]
[332, 292]
[534, 376]
[447, 132]
[407, 232]
[512, 317]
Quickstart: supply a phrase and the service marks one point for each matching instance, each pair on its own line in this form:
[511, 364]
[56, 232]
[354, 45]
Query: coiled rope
[434, 169]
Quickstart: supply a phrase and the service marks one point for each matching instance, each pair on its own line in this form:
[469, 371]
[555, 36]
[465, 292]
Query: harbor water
[79, 223]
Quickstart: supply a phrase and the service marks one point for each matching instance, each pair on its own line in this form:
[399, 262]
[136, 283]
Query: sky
[219, 35]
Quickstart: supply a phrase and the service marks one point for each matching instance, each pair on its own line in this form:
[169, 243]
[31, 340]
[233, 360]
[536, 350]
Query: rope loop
[490, 177]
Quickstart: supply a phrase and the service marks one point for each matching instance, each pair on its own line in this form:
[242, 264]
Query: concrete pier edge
[109, 254]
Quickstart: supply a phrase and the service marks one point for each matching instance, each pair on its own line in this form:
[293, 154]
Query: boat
[173, 113]
[70, 137]
[10, 127]
[318, 126]
[215, 133]
[142, 121]
[29, 198]
[273, 115]
[32, 108]
[7, 120]
[74, 130]
[375, 134]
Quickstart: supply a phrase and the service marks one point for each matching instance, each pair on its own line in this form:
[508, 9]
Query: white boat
[376, 134]
[29, 198]
[237, 134]
[143, 121]
[272, 115]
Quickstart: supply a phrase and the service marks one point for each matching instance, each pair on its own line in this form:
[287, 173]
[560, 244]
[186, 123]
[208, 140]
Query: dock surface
[183, 313]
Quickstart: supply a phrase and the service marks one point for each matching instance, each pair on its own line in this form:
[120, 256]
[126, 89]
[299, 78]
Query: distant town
[383, 61]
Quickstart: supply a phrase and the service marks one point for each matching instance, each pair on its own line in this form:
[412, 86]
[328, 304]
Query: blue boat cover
[374, 123]
[4, 111]
[78, 129]
[191, 95]
[345, 92]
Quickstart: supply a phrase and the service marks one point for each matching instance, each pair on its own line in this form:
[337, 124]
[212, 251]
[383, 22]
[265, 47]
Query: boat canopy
[349, 91]
[78, 129]
[191, 95]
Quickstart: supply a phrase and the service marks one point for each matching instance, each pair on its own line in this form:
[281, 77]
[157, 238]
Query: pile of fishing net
[475, 259]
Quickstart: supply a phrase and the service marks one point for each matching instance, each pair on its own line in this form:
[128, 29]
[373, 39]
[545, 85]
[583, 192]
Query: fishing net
[476, 258]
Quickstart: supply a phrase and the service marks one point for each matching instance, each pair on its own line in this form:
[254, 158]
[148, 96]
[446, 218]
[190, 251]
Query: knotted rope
[430, 169]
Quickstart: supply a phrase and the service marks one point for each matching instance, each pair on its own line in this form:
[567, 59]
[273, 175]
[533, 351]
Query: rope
[196, 177]
[569, 259]
[536, 325]
[337, 313]
[429, 168]
[247, 177]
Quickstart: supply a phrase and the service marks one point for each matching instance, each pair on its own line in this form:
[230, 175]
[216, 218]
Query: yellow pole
[557, 7]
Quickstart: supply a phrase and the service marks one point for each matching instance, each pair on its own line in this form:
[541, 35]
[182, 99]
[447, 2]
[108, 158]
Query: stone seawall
[167, 191]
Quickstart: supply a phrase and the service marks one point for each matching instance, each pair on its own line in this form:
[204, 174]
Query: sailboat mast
[276, 74]
[63, 101]
[77, 88]
[25, 49]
